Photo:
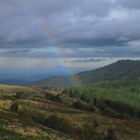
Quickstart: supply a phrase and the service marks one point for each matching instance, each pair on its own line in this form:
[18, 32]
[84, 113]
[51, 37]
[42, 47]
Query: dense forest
[119, 97]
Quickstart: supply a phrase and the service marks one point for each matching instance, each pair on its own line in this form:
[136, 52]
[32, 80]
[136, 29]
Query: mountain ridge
[120, 70]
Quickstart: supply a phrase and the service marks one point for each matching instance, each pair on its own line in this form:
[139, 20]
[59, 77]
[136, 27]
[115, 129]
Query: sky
[66, 36]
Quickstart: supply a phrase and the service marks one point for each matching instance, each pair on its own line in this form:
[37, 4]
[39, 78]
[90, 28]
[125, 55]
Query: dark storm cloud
[133, 4]
[109, 25]
[100, 42]
[86, 60]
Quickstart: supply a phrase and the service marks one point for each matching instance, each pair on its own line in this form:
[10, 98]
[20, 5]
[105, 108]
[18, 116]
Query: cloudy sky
[68, 34]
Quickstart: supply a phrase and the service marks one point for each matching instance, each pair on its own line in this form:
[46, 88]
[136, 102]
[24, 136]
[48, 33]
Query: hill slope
[42, 115]
[121, 70]
[55, 81]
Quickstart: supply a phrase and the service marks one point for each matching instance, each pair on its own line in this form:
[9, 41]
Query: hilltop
[121, 70]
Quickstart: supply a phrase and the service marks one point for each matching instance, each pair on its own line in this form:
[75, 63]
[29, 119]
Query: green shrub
[79, 105]
[4, 132]
[89, 131]
[26, 110]
[21, 95]
[125, 116]
[58, 123]
[111, 135]
[111, 112]
[35, 114]
[122, 108]
[7, 97]
[52, 97]
[14, 107]
[101, 104]
[139, 114]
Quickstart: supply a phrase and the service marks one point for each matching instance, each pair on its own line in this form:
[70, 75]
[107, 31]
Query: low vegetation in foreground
[103, 111]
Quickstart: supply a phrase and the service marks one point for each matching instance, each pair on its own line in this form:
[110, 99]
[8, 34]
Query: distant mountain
[15, 81]
[121, 70]
[22, 76]
[55, 81]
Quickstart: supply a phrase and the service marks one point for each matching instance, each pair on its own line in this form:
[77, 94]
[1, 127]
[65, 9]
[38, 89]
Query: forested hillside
[121, 70]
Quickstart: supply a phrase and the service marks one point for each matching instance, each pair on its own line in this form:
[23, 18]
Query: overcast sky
[80, 34]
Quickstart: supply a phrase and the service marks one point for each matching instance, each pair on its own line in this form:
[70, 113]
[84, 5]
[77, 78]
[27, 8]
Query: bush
[125, 116]
[111, 112]
[90, 131]
[52, 97]
[138, 114]
[38, 117]
[58, 123]
[35, 114]
[31, 112]
[122, 108]
[79, 105]
[111, 135]
[5, 132]
[101, 104]
[14, 107]
[21, 95]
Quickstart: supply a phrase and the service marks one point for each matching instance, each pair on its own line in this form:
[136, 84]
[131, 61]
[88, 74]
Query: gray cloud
[135, 4]
[105, 27]
[85, 60]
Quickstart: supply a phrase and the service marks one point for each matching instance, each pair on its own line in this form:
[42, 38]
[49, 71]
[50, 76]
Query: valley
[101, 110]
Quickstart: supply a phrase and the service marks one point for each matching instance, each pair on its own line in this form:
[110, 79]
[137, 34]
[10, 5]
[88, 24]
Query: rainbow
[49, 36]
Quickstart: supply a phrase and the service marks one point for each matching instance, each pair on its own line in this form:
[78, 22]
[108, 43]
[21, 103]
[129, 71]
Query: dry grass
[25, 125]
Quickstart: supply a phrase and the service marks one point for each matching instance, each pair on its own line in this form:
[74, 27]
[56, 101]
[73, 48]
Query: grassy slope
[16, 126]
[13, 88]
[22, 125]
